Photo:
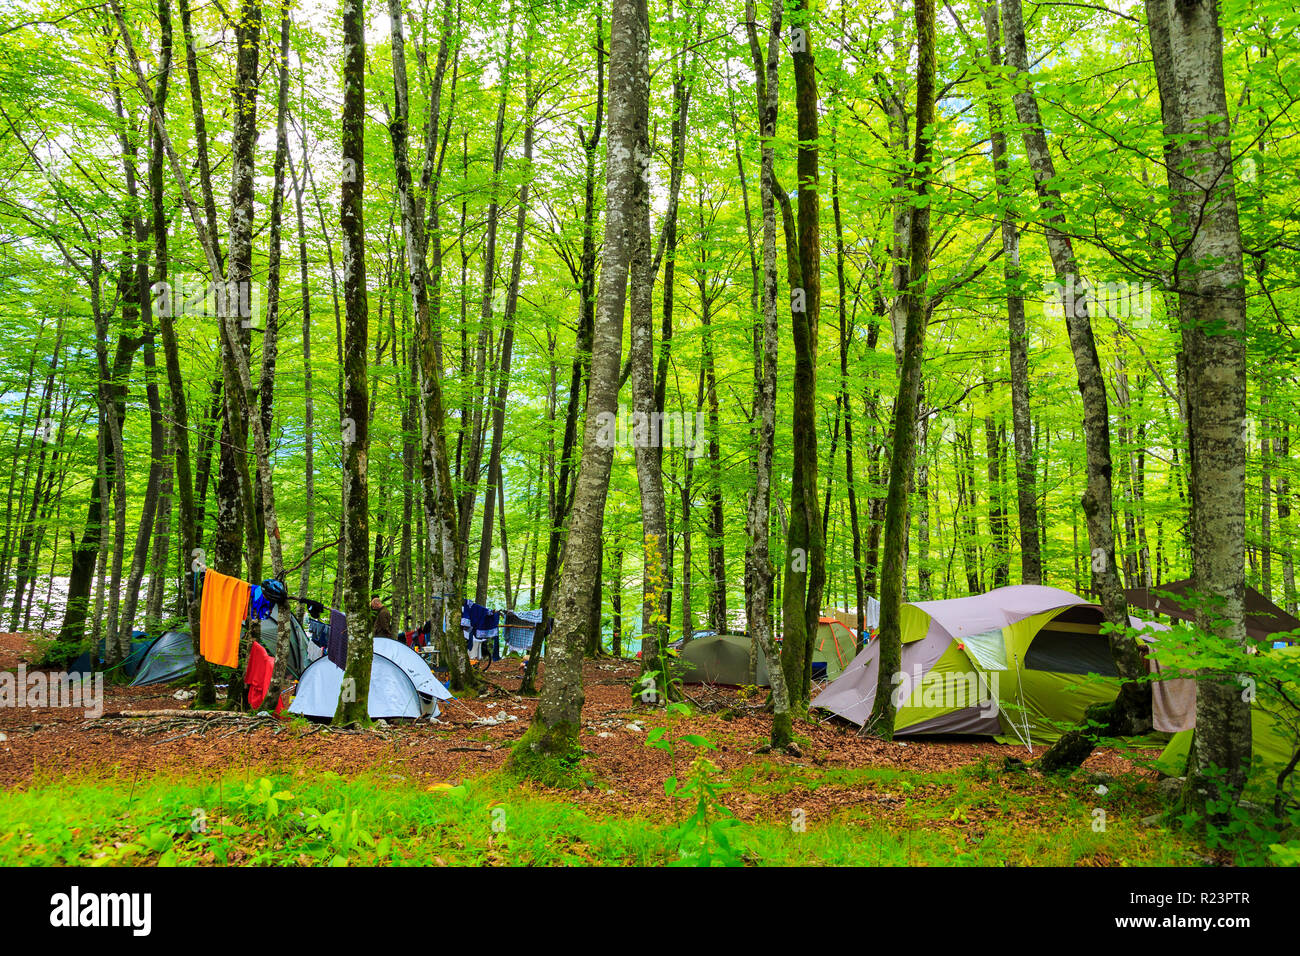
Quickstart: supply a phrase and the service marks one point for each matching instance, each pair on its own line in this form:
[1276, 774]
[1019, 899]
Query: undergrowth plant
[701, 838]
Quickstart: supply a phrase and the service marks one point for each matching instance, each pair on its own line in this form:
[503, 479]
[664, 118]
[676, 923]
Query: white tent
[401, 685]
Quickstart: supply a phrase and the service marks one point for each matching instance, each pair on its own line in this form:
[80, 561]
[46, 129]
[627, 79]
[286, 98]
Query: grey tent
[1018, 663]
[401, 685]
[171, 657]
[721, 659]
[297, 641]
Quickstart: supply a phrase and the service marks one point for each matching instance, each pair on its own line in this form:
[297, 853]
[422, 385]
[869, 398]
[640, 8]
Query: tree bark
[759, 570]
[883, 713]
[1131, 712]
[1031, 561]
[1187, 48]
[805, 542]
[356, 679]
[555, 729]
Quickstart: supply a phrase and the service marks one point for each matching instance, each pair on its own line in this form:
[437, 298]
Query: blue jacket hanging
[479, 623]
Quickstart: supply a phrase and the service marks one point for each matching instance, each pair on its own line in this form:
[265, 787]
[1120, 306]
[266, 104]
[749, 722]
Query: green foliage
[1245, 830]
[1285, 854]
[878, 816]
[53, 85]
[702, 837]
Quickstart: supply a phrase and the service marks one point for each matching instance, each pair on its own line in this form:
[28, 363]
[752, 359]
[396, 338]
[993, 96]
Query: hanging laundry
[221, 615]
[520, 626]
[319, 632]
[314, 652]
[482, 625]
[259, 605]
[257, 675]
[338, 645]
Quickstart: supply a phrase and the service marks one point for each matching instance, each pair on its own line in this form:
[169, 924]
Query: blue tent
[401, 685]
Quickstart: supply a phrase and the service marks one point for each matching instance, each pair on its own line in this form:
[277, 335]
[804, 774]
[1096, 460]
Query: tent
[401, 685]
[1275, 735]
[835, 645]
[721, 659]
[140, 644]
[415, 667]
[849, 618]
[171, 657]
[1263, 617]
[1272, 740]
[1014, 663]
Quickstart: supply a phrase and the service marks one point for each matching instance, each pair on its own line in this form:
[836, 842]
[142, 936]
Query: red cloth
[282, 705]
[257, 675]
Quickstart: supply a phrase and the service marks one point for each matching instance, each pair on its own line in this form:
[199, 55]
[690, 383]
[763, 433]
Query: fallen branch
[184, 714]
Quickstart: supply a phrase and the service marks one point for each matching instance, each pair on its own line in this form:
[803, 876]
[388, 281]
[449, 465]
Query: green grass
[877, 816]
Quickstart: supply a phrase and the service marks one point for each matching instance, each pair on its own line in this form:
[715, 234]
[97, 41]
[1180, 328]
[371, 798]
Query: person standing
[383, 619]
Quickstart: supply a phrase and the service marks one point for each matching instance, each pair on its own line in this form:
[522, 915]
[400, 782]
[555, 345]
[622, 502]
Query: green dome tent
[1016, 663]
[721, 659]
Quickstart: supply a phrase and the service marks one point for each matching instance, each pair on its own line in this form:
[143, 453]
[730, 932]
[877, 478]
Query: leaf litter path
[471, 739]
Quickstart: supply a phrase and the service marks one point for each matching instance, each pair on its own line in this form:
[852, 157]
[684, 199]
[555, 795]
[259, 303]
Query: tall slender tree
[556, 725]
[884, 709]
[353, 696]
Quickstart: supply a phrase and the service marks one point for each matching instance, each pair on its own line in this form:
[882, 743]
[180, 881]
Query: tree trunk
[1031, 561]
[473, 458]
[508, 335]
[352, 706]
[759, 570]
[647, 436]
[270, 346]
[1187, 48]
[557, 724]
[805, 542]
[881, 721]
[1131, 712]
[440, 511]
[561, 493]
[309, 409]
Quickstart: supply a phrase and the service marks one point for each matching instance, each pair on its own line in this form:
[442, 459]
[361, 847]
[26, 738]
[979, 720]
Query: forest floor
[847, 799]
